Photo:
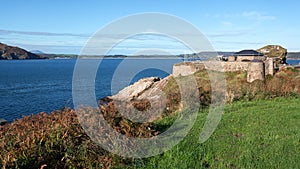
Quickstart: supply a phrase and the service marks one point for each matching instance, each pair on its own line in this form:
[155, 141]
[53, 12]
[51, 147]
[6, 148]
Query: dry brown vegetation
[53, 140]
[284, 84]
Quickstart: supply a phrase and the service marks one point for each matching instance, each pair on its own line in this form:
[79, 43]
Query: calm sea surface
[293, 62]
[32, 86]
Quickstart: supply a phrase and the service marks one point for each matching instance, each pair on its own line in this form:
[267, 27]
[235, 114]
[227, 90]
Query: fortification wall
[235, 66]
[249, 58]
[255, 70]
[269, 66]
[187, 68]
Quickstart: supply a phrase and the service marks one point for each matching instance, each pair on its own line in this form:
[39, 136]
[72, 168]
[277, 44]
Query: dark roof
[248, 53]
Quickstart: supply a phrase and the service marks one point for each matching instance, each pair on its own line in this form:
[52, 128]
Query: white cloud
[251, 15]
[234, 33]
[226, 23]
[239, 42]
[8, 32]
[255, 15]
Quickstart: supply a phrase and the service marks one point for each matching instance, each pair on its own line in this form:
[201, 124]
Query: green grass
[255, 134]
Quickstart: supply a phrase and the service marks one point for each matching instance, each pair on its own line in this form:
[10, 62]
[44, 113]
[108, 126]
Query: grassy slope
[256, 134]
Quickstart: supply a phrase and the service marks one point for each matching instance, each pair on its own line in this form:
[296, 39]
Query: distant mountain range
[293, 55]
[15, 53]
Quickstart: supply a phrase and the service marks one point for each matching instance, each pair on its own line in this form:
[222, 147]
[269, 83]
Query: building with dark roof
[247, 55]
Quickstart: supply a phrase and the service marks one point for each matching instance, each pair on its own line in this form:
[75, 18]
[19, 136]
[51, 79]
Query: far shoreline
[292, 58]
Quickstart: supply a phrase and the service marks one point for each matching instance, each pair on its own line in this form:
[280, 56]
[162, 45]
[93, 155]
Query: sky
[57, 26]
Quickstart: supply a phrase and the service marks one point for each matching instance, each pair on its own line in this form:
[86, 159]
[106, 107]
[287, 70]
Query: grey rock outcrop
[136, 90]
[273, 51]
[143, 101]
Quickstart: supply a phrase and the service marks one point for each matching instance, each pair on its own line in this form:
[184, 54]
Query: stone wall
[235, 66]
[255, 70]
[231, 59]
[187, 68]
[269, 66]
[249, 58]
[245, 58]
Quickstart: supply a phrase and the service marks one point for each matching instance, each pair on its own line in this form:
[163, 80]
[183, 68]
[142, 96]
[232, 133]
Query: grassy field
[253, 134]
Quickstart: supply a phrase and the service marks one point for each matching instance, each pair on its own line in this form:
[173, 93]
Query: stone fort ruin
[257, 63]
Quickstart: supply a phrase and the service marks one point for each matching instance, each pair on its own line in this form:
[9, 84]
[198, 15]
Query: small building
[247, 56]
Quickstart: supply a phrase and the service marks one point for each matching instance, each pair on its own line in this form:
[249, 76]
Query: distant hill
[293, 55]
[55, 56]
[16, 53]
[38, 52]
[225, 53]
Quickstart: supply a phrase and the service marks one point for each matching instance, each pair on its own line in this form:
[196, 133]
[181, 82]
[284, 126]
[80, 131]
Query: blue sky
[65, 26]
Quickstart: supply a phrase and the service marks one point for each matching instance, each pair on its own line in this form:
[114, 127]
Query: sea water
[32, 86]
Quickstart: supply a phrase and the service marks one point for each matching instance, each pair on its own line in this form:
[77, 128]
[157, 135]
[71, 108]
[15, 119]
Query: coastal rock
[144, 101]
[136, 90]
[273, 51]
[16, 53]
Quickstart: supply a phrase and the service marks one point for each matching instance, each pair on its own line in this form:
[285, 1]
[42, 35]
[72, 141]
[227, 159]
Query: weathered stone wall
[249, 58]
[187, 68]
[245, 58]
[235, 66]
[269, 66]
[231, 59]
[255, 70]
